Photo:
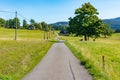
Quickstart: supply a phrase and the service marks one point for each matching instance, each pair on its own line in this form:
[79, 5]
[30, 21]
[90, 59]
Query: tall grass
[90, 53]
[17, 58]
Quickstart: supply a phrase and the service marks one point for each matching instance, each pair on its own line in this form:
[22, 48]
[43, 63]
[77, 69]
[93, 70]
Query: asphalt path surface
[59, 64]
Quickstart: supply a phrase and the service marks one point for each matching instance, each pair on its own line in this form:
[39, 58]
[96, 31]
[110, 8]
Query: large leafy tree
[25, 25]
[32, 22]
[106, 30]
[44, 26]
[85, 22]
[11, 23]
[35, 24]
[40, 26]
[16, 21]
[2, 22]
[46, 29]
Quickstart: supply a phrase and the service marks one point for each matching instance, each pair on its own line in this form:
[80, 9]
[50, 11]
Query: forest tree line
[11, 23]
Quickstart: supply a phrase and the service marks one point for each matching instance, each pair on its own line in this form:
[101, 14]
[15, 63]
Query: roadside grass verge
[90, 54]
[17, 58]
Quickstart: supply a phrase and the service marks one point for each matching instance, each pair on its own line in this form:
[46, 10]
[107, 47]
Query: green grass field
[9, 34]
[90, 53]
[17, 58]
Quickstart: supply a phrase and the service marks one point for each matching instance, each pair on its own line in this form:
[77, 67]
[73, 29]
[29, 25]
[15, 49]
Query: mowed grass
[90, 53]
[17, 58]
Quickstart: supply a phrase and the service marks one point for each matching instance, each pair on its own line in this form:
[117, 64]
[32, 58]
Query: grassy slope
[8, 34]
[90, 53]
[19, 57]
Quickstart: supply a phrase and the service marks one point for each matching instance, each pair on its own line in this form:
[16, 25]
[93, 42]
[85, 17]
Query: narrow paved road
[58, 64]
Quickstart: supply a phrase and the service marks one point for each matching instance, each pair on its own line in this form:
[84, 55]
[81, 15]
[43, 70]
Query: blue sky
[52, 11]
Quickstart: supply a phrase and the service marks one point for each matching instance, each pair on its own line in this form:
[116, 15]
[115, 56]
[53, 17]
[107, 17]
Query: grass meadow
[17, 58]
[90, 54]
[22, 34]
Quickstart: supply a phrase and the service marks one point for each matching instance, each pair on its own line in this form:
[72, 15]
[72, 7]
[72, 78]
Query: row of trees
[87, 23]
[11, 23]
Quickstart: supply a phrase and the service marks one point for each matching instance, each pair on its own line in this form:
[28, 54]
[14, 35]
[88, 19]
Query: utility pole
[103, 61]
[44, 34]
[16, 26]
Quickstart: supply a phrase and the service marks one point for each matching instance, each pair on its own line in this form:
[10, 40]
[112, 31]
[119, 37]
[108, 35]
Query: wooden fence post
[103, 61]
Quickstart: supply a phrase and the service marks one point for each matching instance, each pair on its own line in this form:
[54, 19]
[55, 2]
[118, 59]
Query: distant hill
[63, 23]
[114, 23]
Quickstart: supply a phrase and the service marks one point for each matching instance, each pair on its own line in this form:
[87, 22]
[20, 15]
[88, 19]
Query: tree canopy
[2, 22]
[106, 30]
[11, 23]
[85, 22]
[25, 25]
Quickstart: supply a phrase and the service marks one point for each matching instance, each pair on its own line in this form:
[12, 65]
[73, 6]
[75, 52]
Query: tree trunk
[44, 35]
[105, 36]
[47, 35]
[85, 37]
[88, 38]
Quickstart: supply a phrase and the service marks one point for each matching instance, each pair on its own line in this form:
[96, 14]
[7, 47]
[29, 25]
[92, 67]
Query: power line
[6, 11]
[14, 13]
[23, 16]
